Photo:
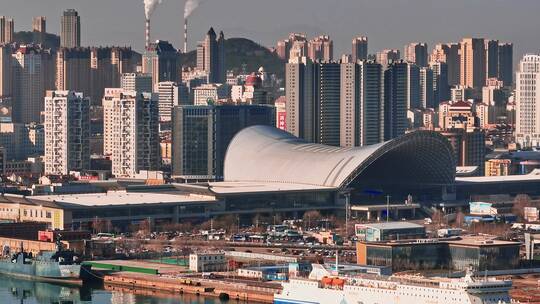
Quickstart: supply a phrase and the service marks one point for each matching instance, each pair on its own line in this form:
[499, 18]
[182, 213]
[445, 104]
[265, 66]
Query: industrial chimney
[185, 35]
[147, 33]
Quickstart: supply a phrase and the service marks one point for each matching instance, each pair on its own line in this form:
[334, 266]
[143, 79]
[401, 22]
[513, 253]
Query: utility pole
[347, 213]
[387, 208]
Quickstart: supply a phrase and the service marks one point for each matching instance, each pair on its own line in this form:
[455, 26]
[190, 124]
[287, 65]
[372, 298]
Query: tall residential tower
[67, 132]
[70, 35]
[528, 102]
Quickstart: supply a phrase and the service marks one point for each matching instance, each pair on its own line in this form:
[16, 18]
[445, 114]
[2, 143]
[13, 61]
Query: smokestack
[185, 35]
[147, 33]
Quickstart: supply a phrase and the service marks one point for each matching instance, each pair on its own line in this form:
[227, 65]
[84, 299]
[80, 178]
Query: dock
[151, 278]
[207, 288]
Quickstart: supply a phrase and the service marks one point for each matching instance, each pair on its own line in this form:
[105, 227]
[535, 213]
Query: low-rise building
[389, 231]
[18, 209]
[207, 262]
[480, 253]
[498, 167]
[265, 273]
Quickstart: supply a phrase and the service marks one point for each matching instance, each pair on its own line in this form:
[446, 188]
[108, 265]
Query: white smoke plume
[150, 6]
[190, 6]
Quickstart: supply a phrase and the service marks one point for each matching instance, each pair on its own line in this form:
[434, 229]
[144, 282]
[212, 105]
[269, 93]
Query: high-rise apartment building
[334, 104]
[359, 48]
[426, 88]
[283, 47]
[22, 140]
[91, 70]
[385, 57]
[39, 24]
[492, 58]
[416, 53]
[461, 93]
[73, 70]
[7, 28]
[327, 102]
[168, 96]
[70, 35]
[495, 96]
[321, 48]
[136, 82]
[528, 102]
[361, 108]
[108, 118]
[396, 97]
[413, 86]
[123, 60]
[469, 147]
[132, 133]
[6, 71]
[201, 136]
[67, 132]
[441, 89]
[473, 62]
[211, 57]
[162, 61]
[506, 63]
[449, 54]
[299, 88]
[101, 73]
[31, 67]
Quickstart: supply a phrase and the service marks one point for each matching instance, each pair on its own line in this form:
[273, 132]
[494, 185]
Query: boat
[332, 288]
[59, 266]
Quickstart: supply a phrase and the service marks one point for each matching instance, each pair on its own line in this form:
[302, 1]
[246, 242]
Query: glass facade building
[456, 255]
[201, 135]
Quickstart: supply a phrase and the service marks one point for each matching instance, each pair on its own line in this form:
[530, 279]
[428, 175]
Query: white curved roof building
[263, 155]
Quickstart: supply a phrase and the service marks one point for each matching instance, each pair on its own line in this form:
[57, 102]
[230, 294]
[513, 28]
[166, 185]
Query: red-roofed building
[458, 115]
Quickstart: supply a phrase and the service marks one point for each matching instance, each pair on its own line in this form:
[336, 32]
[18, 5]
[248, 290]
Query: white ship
[323, 288]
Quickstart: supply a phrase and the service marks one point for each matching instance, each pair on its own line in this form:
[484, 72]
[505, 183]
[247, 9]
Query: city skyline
[102, 25]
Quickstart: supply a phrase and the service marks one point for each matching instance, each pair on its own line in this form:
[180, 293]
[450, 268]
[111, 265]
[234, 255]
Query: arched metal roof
[267, 154]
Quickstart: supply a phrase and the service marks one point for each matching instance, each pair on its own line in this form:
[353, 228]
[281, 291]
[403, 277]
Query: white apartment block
[168, 95]
[67, 132]
[108, 114]
[131, 134]
[136, 82]
[209, 93]
[528, 102]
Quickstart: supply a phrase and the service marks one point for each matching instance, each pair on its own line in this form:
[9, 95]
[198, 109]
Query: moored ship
[367, 289]
[51, 266]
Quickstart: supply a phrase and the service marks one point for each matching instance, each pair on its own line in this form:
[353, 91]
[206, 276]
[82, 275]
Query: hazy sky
[387, 23]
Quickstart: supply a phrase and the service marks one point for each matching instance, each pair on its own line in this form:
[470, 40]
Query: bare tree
[310, 217]
[460, 218]
[100, 225]
[520, 202]
[437, 218]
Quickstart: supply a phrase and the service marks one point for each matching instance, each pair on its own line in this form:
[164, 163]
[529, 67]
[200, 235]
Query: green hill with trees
[243, 53]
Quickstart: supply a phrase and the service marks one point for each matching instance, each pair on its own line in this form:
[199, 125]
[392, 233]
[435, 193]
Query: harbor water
[19, 291]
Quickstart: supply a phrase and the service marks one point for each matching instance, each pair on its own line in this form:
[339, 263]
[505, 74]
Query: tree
[437, 218]
[100, 225]
[256, 221]
[460, 218]
[311, 216]
[520, 202]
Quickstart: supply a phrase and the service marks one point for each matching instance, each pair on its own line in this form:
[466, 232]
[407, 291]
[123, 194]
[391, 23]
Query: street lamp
[387, 208]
